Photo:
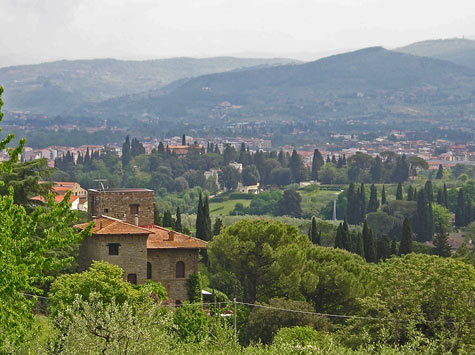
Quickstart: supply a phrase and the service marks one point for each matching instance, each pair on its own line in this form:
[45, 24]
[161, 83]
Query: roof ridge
[185, 235]
[121, 221]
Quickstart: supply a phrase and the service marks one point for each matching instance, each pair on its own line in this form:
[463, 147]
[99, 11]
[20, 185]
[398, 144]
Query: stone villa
[124, 234]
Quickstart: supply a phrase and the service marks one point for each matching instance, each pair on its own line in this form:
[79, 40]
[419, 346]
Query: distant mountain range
[57, 87]
[372, 82]
[431, 80]
[459, 51]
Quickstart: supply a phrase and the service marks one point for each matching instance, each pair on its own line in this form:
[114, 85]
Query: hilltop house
[124, 234]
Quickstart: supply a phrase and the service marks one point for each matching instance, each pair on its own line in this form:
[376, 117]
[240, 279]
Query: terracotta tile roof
[57, 198]
[105, 225]
[162, 238]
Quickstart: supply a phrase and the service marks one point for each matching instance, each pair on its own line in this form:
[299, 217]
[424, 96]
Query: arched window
[149, 271]
[180, 269]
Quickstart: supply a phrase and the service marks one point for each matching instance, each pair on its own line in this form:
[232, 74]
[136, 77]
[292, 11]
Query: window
[149, 271]
[134, 209]
[113, 248]
[180, 269]
[132, 278]
[106, 210]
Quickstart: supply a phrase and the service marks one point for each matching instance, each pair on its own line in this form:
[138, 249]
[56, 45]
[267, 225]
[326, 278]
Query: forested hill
[56, 87]
[374, 83]
[459, 51]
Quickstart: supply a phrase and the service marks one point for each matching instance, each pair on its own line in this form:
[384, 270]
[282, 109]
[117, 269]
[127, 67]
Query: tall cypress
[441, 243]
[218, 225]
[399, 192]
[352, 210]
[393, 247]
[200, 233]
[339, 237]
[410, 193]
[428, 190]
[373, 203]
[440, 172]
[346, 237]
[383, 196]
[315, 237]
[168, 220]
[178, 226]
[362, 204]
[405, 247]
[207, 219]
[424, 218]
[359, 245]
[368, 243]
[460, 211]
[317, 163]
[446, 197]
[126, 154]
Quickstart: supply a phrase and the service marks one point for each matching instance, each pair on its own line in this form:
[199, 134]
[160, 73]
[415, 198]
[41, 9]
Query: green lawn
[313, 202]
[224, 208]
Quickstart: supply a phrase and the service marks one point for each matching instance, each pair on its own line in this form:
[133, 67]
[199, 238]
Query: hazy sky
[37, 30]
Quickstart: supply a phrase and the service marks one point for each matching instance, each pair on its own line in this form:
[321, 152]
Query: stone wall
[163, 262]
[119, 202]
[132, 256]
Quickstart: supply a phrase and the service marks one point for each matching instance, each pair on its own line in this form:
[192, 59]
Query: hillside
[459, 51]
[372, 82]
[56, 87]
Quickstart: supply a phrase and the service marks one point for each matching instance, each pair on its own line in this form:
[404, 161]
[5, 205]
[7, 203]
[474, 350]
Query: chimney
[100, 224]
[136, 220]
[171, 236]
[124, 218]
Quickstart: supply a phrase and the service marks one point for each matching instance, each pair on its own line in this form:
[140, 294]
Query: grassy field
[314, 201]
[224, 208]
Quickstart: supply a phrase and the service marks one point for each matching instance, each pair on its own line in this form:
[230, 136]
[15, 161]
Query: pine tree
[441, 243]
[368, 243]
[410, 193]
[314, 235]
[373, 203]
[383, 196]
[440, 172]
[405, 247]
[317, 163]
[460, 211]
[218, 225]
[399, 192]
[178, 225]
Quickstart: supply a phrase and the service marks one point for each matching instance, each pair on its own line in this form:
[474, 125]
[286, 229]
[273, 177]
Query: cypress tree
[207, 219]
[126, 155]
[410, 193]
[296, 167]
[282, 159]
[218, 225]
[200, 219]
[460, 211]
[339, 237]
[345, 237]
[317, 163]
[328, 159]
[376, 169]
[440, 197]
[441, 243]
[415, 194]
[168, 220]
[383, 248]
[468, 214]
[440, 172]
[161, 148]
[373, 203]
[314, 235]
[359, 245]
[157, 218]
[183, 140]
[368, 243]
[352, 208]
[383, 196]
[446, 197]
[424, 218]
[393, 247]
[399, 192]
[178, 226]
[428, 190]
[405, 247]
[362, 204]
[334, 159]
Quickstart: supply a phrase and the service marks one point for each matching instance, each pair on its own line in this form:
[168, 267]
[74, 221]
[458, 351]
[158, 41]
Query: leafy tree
[296, 167]
[441, 216]
[440, 172]
[373, 203]
[290, 204]
[401, 170]
[250, 175]
[264, 323]
[405, 247]
[399, 192]
[281, 177]
[317, 164]
[193, 288]
[376, 169]
[441, 243]
[229, 177]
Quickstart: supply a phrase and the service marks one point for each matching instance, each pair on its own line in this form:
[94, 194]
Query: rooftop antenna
[101, 183]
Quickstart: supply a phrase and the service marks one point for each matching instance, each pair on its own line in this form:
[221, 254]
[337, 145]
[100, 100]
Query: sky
[33, 31]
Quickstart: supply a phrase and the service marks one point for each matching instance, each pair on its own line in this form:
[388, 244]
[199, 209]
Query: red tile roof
[105, 225]
[57, 198]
